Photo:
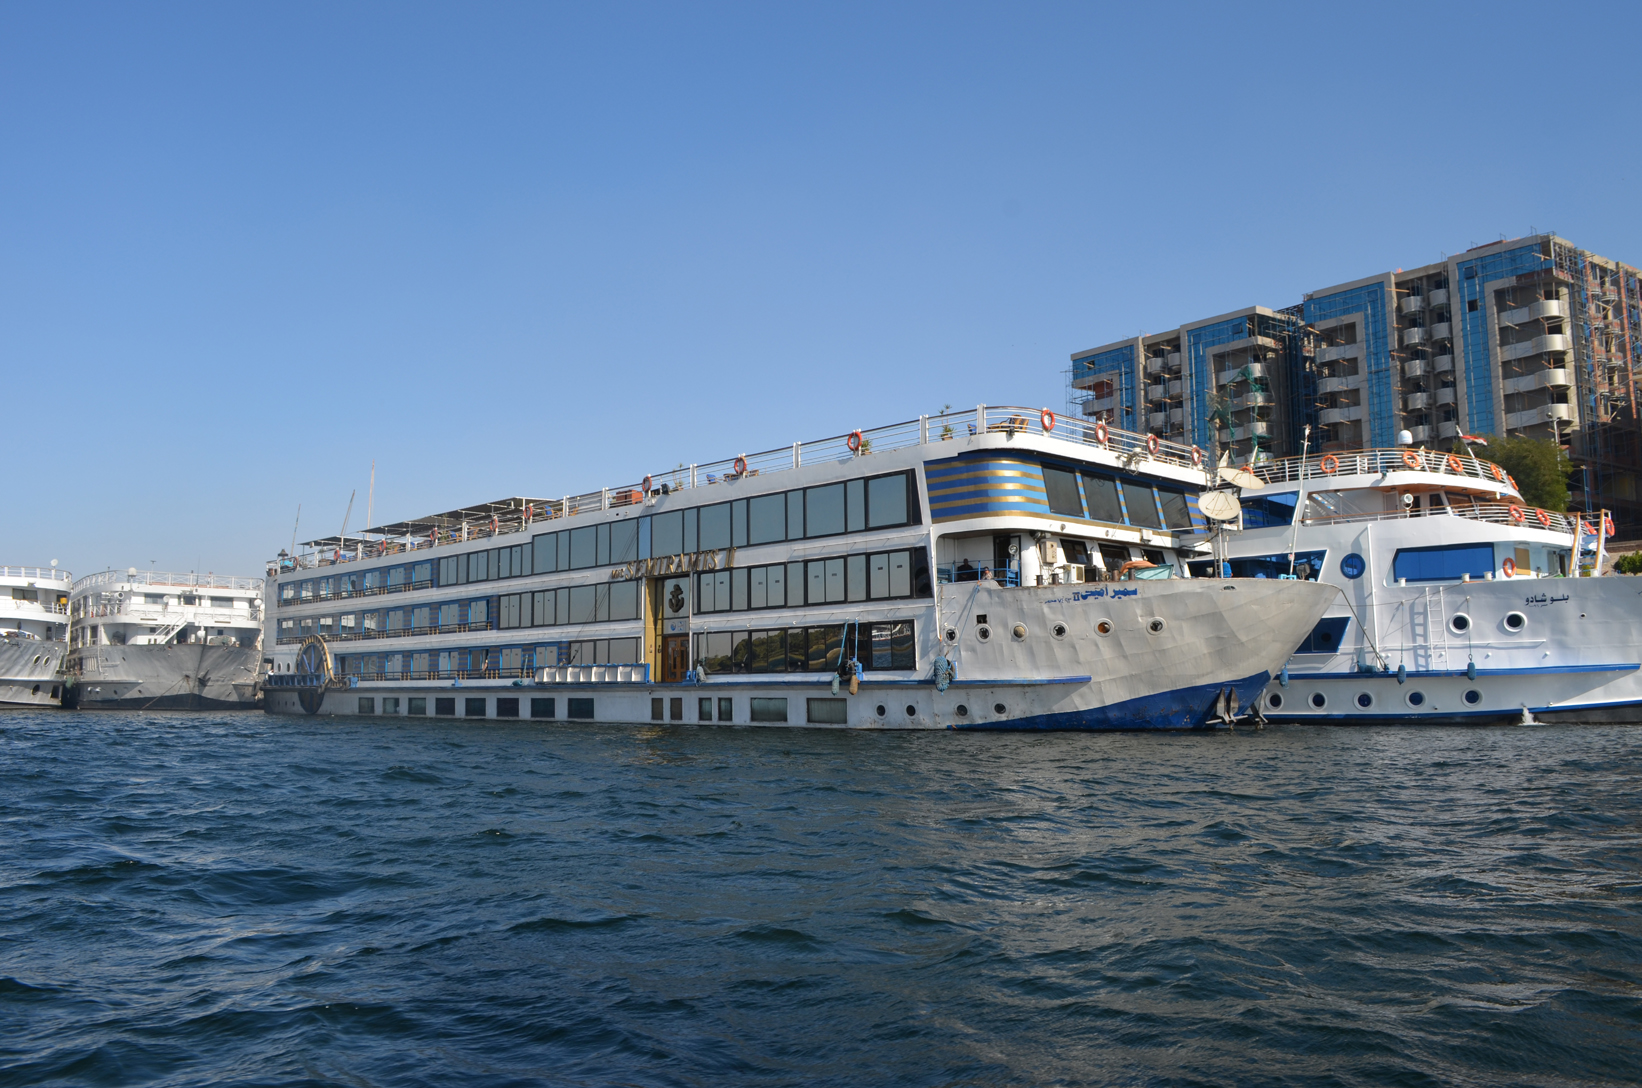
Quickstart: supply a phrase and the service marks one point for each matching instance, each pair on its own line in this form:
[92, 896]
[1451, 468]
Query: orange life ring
[854, 441]
[495, 526]
[647, 482]
[1100, 431]
[1512, 480]
[1330, 464]
[1516, 513]
[1607, 525]
[1455, 465]
[1412, 459]
[1197, 457]
[741, 464]
[1544, 518]
[1498, 474]
[1508, 567]
[1047, 418]
[1151, 443]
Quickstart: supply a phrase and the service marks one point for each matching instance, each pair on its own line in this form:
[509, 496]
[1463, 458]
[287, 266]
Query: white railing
[165, 578]
[1379, 462]
[983, 419]
[1497, 513]
[37, 574]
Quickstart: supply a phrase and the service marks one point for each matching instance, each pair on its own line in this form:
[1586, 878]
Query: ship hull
[28, 672]
[184, 677]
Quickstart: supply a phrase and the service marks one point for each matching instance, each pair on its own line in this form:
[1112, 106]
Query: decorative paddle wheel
[313, 672]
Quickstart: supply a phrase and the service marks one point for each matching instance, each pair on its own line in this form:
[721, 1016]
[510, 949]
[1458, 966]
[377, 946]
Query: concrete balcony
[1338, 352]
[1415, 402]
[1413, 304]
[1157, 392]
[1442, 330]
[1156, 365]
[1092, 407]
[1442, 364]
[1535, 311]
[1439, 297]
[1245, 432]
[1413, 336]
[1414, 368]
[1340, 384]
[1421, 434]
[1329, 416]
[1553, 342]
[1177, 416]
[1448, 430]
[1446, 396]
[1554, 378]
[1544, 413]
[1252, 400]
[1237, 374]
[1157, 420]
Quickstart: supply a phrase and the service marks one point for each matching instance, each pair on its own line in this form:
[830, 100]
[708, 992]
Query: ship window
[777, 589]
[1101, 491]
[543, 604]
[1444, 563]
[509, 612]
[766, 651]
[1062, 489]
[1176, 513]
[713, 650]
[878, 576]
[758, 587]
[584, 545]
[892, 646]
[715, 526]
[582, 604]
[478, 566]
[738, 589]
[449, 616]
[421, 573]
[887, 501]
[825, 646]
[1262, 511]
[1142, 507]
[546, 559]
[667, 533]
[222, 602]
[766, 520]
[477, 612]
[855, 505]
[421, 616]
[624, 600]
[1326, 637]
[855, 578]
[767, 710]
[396, 576]
[738, 523]
[824, 510]
[159, 598]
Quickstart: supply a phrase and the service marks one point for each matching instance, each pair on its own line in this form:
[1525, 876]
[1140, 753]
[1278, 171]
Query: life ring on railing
[1047, 418]
[741, 466]
[1516, 513]
[1151, 443]
[1412, 459]
[1607, 525]
[1499, 475]
[1197, 457]
[1330, 464]
[1508, 567]
[1455, 465]
[1512, 480]
[1544, 518]
[854, 441]
[1100, 431]
[495, 526]
[648, 482]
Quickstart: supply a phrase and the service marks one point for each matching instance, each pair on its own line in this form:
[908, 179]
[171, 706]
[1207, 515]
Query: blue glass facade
[1369, 300]
[1480, 372]
[1199, 345]
[1117, 364]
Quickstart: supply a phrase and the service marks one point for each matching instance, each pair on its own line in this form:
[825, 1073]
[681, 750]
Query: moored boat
[33, 634]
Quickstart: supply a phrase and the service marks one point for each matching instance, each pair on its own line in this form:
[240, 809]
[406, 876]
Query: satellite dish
[1219, 505]
[1238, 477]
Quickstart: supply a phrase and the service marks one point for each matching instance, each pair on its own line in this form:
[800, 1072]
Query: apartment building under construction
[1532, 336]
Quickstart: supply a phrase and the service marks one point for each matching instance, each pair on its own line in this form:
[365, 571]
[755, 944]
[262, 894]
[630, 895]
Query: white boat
[151, 640]
[988, 569]
[33, 634]
[1458, 603]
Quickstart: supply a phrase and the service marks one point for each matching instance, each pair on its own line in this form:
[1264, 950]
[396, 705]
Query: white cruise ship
[33, 634]
[1458, 601]
[150, 640]
[989, 569]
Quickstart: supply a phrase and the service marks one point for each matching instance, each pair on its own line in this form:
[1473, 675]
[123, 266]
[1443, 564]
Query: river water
[244, 899]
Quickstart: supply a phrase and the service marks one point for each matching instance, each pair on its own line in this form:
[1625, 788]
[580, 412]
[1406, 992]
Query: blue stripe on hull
[1183, 708]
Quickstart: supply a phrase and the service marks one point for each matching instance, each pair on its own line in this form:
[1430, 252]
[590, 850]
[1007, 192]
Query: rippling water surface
[245, 899]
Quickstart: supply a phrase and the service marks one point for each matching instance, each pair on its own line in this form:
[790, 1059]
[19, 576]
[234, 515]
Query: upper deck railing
[37, 574]
[1378, 462]
[983, 419]
[1498, 513]
[166, 578]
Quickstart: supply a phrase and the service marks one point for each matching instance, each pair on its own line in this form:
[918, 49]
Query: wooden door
[675, 658]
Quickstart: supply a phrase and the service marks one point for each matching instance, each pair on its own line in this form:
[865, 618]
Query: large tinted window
[1062, 487]
[766, 519]
[1101, 491]
[583, 546]
[824, 510]
[715, 527]
[1265, 510]
[624, 541]
[1176, 514]
[887, 501]
[1443, 564]
[667, 533]
[1142, 507]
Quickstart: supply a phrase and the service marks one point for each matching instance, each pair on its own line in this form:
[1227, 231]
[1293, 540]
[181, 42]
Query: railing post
[980, 419]
[692, 475]
[795, 454]
[923, 430]
[604, 498]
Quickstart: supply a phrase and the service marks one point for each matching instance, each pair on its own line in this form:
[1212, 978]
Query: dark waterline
[242, 899]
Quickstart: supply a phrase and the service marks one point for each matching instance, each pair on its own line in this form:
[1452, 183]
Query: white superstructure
[148, 639]
[1459, 602]
[981, 569]
[33, 634]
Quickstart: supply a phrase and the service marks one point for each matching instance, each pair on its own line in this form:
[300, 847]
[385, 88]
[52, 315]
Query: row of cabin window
[839, 580]
[809, 649]
[1099, 497]
[448, 614]
[596, 603]
[878, 502]
[359, 581]
[504, 660]
[473, 706]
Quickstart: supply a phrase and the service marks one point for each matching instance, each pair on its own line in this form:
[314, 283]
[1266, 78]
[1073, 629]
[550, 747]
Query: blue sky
[526, 249]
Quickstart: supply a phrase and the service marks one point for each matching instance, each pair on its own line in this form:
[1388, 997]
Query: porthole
[1155, 626]
[997, 708]
[1365, 700]
[1058, 630]
[1515, 621]
[963, 711]
[912, 711]
[983, 632]
[882, 710]
[1103, 627]
[1460, 624]
[1416, 698]
[1275, 700]
[1019, 631]
[952, 634]
[1473, 697]
[1319, 700]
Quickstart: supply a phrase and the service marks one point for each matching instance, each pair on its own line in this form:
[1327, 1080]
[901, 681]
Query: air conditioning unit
[1074, 575]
